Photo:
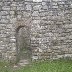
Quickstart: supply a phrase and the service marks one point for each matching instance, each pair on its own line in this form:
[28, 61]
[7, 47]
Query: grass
[41, 66]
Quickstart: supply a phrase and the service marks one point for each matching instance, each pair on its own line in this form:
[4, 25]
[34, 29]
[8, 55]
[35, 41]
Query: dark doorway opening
[23, 44]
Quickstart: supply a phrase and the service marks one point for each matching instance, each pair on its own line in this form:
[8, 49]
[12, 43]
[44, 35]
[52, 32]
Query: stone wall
[50, 27]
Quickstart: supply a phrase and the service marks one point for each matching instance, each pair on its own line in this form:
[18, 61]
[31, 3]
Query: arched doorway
[23, 44]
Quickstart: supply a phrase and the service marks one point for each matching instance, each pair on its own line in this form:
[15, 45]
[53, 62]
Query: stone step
[23, 62]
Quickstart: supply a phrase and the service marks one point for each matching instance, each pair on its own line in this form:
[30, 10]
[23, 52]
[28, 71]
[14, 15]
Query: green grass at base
[42, 66]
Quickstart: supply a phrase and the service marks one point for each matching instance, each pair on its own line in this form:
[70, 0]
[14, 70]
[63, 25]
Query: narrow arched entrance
[23, 47]
[23, 44]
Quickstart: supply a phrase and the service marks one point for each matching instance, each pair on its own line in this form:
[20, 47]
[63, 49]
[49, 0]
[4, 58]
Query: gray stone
[61, 2]
[43, 3]
[9, 26]
[35, 57]
[6, 8]
[4, 13]
[37, 0]
[13, 20]
[26, 14]
[28, 7]
[37, 7]
[14, 4]
[1, 3]
[13, 8]
[45, 7]
[4, 21]
[36, 21]
[13, 40]
[44, 27]
[35, 13]
[55, 0]
[20, 8]
[12, 12]
[55, 7]
[19, 16]
[54, 3]
[28, 0]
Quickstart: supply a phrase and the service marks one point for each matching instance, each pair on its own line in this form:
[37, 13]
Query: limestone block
[44, 14]
[13, 20]
[19, 16]
[14, 4]
[4, 21]
[54, 3]
[45, 7]
[43, 3]
[61, 2]
[9, 26]
[44, 40]
[56, 0]
[28, 0]
[12, 12]
[13, 45]
[13, 48]
[60, 56]
[28, 7]
[7, 3]
[3, 35]
[35, 13]
[55, 7]
[12, 40]
[6, 8]
[26, 14]
[37, 0]
[37, 7]
[45, 0]
[67, 26]
[2, 47]
[34, 57]
[6, 0]
[68, 55]
[3, 17]
[40, 50]
[70, 37]
[50, 34]
[36, 21]
[13, 8]
[1, 3]
[4, 13]
[20, 8]
[36, 18]
[44, 46]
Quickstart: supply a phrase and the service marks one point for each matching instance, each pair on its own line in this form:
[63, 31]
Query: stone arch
[25, 23]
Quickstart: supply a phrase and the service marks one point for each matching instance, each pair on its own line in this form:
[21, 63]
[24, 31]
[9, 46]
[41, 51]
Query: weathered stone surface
[35, 13]
[37, 7]
[20, 8]
[4, 13]
[12, 12]
[6, 8]
[45, 7]
[48, 28]
[26, 14]
[28, 7]
[4, 21]
[37, 0]
[43, 3]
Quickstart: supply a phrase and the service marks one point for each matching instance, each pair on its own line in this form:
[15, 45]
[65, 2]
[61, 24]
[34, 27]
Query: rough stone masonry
[49, 23]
